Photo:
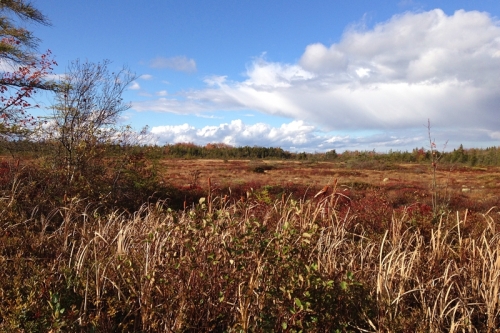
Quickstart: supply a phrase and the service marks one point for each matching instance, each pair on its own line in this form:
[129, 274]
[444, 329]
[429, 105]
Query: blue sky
[302, 75]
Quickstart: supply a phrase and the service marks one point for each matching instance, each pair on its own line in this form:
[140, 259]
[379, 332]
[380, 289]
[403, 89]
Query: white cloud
[319, 58]
[179, 63]
[275, 75]
[207, 116]
[134, 86]
[146, 77]
[413, 67]
[495, 135]
[363, 72]
[215, 80]
[161, 93]
[237, 133]
[293, 136]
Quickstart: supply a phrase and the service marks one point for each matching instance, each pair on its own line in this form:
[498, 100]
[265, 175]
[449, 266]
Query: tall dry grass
[292, 265]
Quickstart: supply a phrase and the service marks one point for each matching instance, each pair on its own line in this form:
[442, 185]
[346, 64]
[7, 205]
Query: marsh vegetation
[152, 245]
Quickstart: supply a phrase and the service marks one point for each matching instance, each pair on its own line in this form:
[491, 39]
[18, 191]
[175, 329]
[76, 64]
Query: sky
[303, 75]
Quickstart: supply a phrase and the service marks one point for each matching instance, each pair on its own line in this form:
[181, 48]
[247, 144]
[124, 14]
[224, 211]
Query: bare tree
[435, 157]
[88, 105]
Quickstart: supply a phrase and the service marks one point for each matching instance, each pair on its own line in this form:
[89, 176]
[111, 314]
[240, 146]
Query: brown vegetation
[370, 255]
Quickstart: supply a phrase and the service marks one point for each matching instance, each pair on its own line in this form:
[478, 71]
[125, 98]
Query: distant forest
[471, 157]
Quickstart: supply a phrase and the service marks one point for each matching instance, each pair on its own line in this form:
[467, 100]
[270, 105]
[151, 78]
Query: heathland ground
[196, 245]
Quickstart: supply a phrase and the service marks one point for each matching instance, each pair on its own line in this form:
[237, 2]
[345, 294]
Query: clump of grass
[262, 168]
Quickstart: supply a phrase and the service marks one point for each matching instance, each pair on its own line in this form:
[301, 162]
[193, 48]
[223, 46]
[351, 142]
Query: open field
[250, 250]
[230, 172]
[461, 187]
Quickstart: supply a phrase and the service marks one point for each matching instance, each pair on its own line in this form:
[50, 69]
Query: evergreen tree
[24, 71]
[17, 44]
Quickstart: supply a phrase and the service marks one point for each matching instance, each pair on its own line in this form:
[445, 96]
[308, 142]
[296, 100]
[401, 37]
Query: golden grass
[291, 264]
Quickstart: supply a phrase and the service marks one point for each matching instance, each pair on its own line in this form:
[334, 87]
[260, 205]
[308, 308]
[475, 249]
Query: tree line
[473, 156]
[461, 156]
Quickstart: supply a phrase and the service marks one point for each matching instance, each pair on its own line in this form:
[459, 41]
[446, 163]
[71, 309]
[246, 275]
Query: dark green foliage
[353, 159]
[221, 151]
[262, 168]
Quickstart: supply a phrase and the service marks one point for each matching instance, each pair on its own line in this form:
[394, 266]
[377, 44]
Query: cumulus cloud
[179, 63]
[393, 76]
[298, 136]
[146, 77]
[318, 58]
[293, 136]
[236, 133]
